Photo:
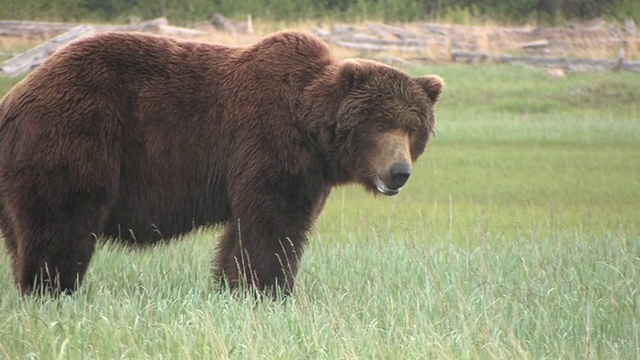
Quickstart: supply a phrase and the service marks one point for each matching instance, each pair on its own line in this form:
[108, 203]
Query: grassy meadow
[517, 236]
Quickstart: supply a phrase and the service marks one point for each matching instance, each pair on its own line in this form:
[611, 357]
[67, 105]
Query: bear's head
[382, 124]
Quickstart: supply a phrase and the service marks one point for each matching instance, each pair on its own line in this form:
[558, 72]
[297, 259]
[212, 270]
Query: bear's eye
[381, 127]
[412, 131]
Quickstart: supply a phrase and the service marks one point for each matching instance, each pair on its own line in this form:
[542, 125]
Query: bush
[186, 11]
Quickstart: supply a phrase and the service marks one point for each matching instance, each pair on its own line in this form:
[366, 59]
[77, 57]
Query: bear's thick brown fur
[143, 138]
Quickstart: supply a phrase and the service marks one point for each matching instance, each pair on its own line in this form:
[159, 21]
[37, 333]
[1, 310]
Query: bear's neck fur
[319, 113]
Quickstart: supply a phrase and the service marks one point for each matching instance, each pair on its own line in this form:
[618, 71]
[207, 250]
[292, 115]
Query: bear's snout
[390, 182]
[393, 162]
[399, 174]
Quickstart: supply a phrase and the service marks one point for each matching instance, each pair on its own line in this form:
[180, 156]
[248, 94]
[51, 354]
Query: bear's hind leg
[57, 269]
[57, 241]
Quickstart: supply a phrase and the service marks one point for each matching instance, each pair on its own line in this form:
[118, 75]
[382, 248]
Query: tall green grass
[516, 237]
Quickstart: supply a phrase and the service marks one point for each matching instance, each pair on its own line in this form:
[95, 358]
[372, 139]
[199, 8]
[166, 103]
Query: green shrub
[464, 11]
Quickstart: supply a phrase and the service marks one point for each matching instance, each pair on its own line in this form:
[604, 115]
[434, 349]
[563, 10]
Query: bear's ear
[350, 74]
[432, 85]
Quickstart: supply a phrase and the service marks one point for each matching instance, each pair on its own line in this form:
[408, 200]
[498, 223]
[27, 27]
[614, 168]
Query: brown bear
[143, 138]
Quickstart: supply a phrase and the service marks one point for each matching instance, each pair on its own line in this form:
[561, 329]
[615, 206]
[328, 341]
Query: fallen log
[437, 29]
[368, 39]
[32, 29]
[179, 31]
[566, 63]
[375, 48]
[536, 44]
[387, 30]
[152, 26]
[38, 29]
[221, 23]
[29, 60]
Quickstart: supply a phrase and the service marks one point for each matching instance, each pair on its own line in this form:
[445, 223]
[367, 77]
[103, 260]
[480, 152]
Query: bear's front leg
[265, 238]
[266, 263]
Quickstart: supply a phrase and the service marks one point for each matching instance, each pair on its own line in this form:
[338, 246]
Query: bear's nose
[399, 175]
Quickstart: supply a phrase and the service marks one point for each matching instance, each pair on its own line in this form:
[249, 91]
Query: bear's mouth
[383, 188]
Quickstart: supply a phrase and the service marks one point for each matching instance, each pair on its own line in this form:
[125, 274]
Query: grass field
[516, 237]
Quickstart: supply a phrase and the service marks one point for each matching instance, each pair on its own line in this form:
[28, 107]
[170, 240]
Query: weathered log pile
[594, 46]
[32, 29]
[25, 62]
[597, 45]
[220, 23]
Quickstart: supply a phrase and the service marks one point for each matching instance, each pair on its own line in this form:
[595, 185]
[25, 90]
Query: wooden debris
[32, 29]
[29, 60]
[566, 63]
[535, 44]
[570, 47]
[179, 31]
[385, 30]
[372, 47]
[155, 26]
[36, 29]
[221, 23]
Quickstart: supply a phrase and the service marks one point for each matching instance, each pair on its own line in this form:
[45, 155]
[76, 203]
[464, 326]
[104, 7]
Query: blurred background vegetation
[455, 11]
